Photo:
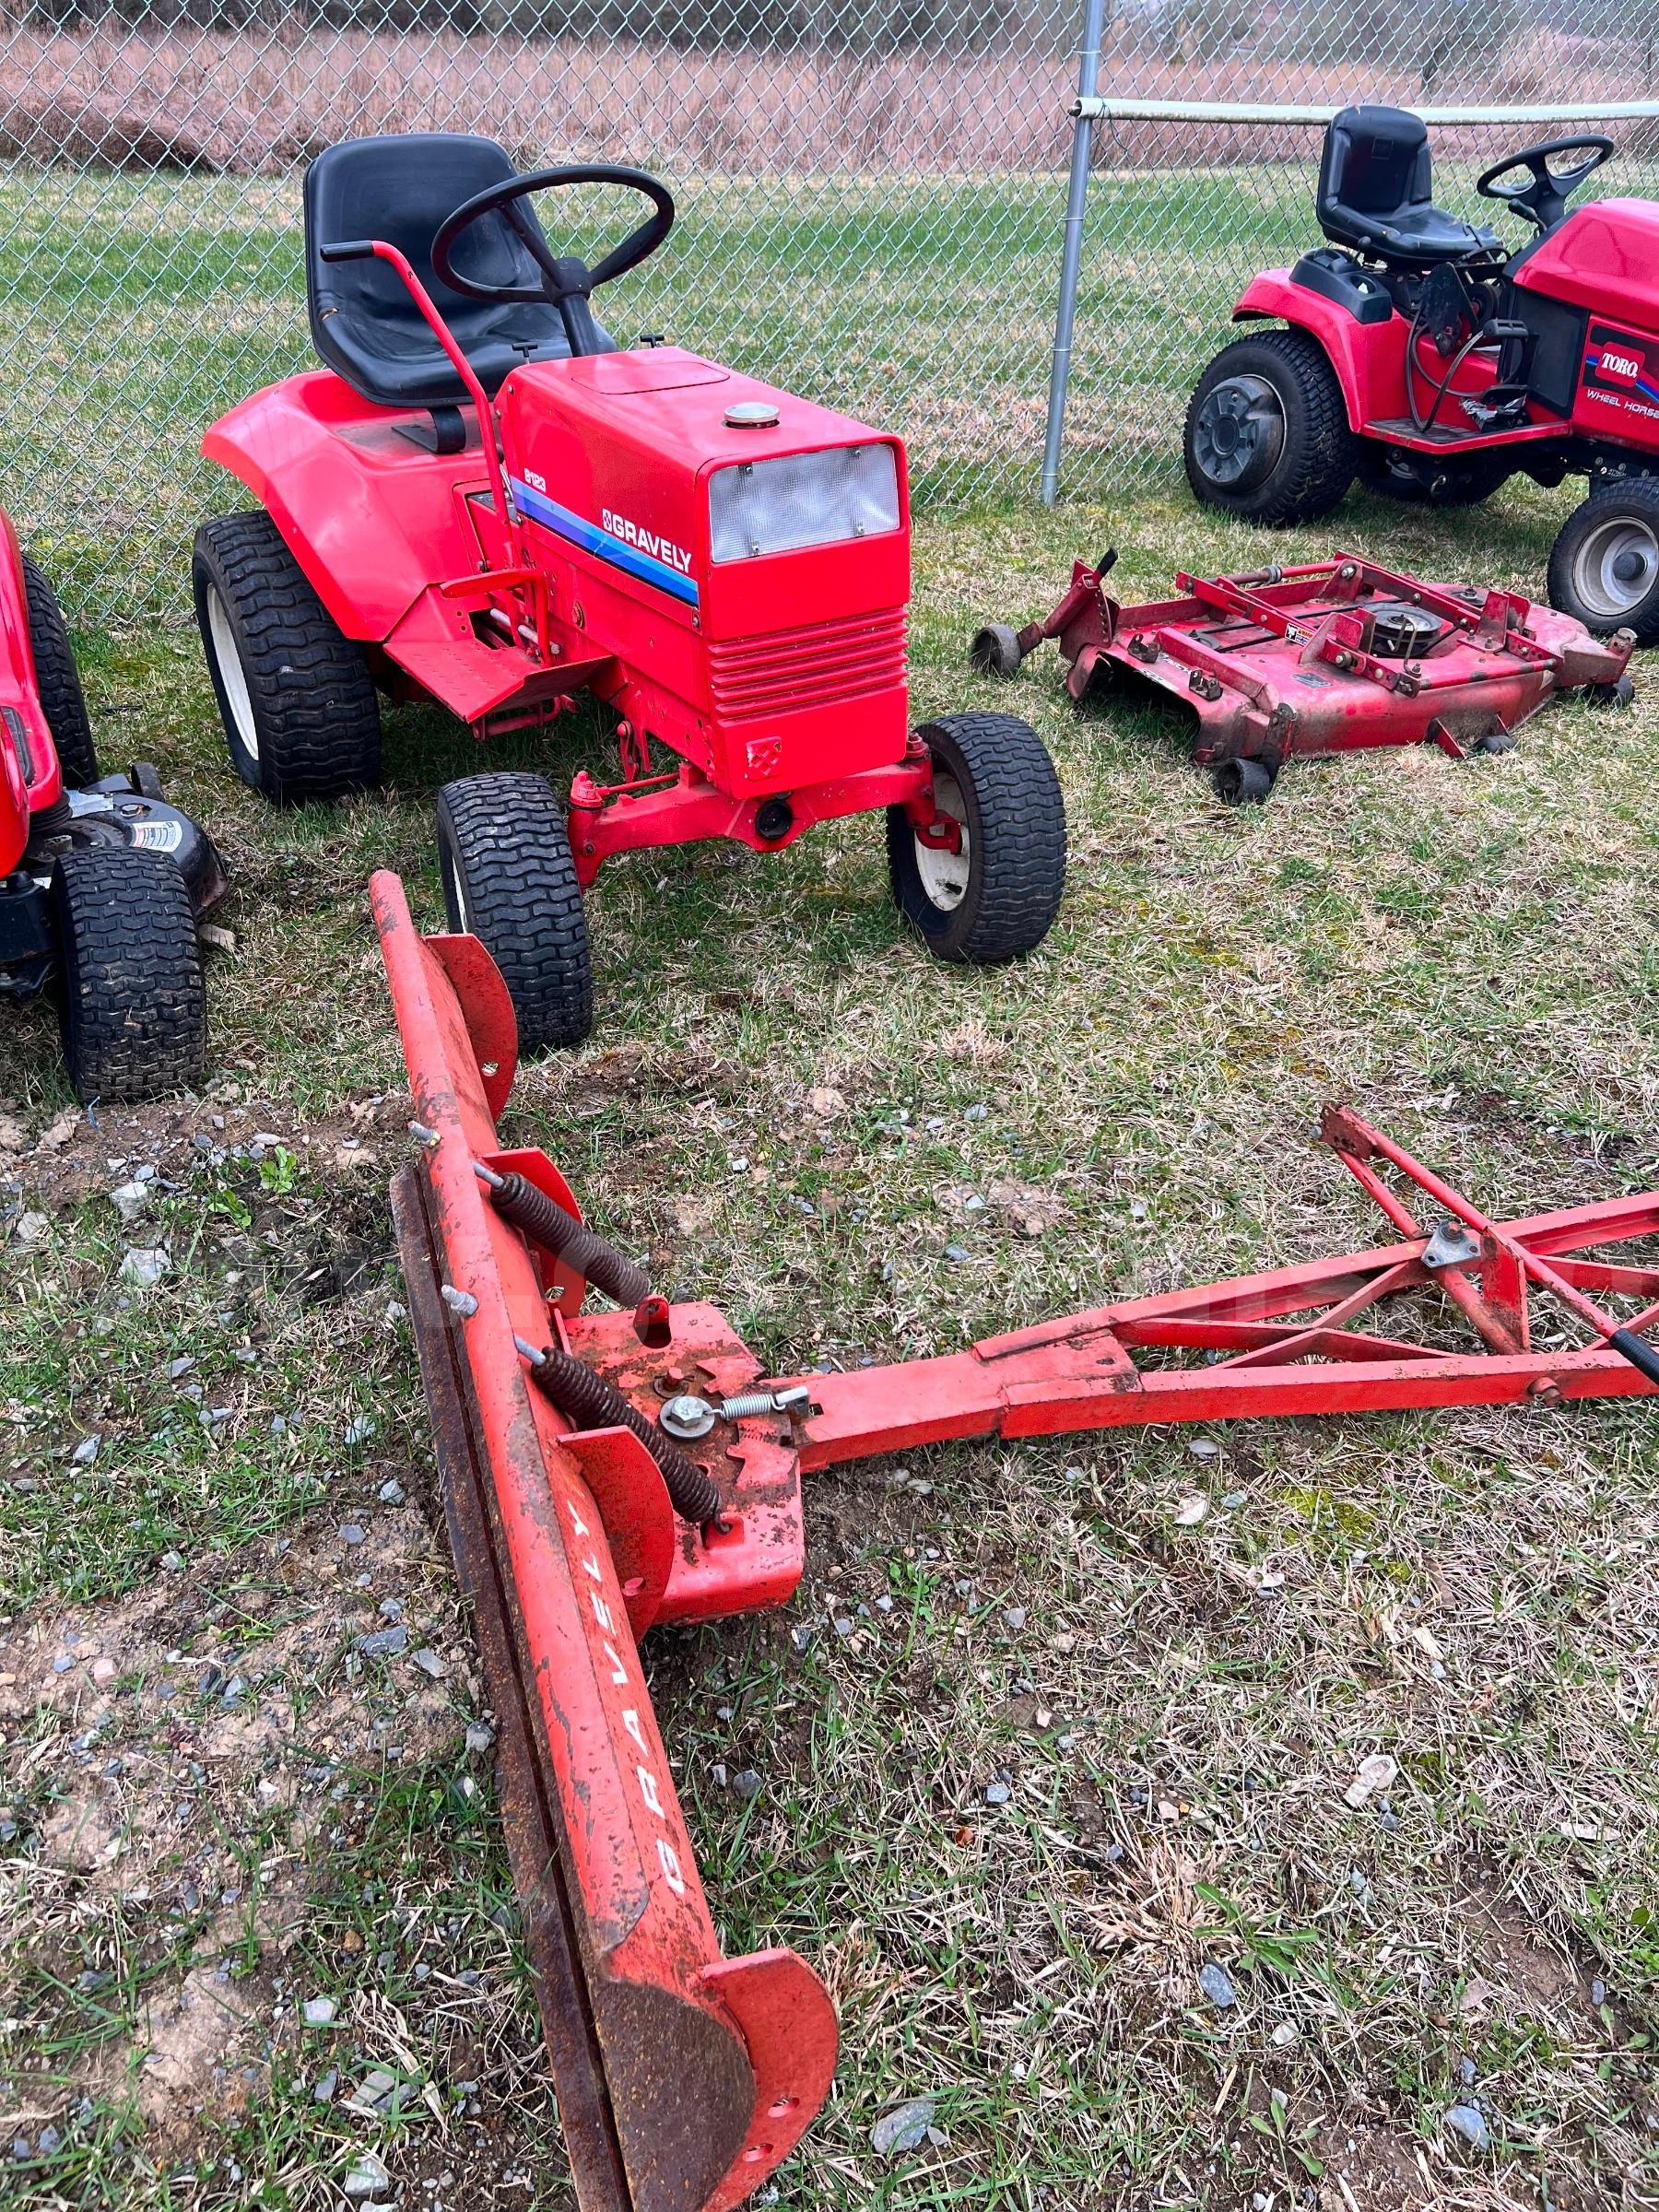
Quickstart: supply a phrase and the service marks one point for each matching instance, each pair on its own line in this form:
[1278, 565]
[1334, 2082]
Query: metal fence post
[1071, 258]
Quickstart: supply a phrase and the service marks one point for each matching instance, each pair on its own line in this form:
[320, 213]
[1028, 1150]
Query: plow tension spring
[536, 1216]
[588, 1401]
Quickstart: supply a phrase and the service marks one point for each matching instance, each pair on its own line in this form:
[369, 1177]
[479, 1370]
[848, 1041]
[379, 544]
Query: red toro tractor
[605, 1471]
[1424, 359]
[482, 500]
[100, 879]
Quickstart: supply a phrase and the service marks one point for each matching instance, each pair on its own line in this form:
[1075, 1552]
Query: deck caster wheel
[994, 893]
[1242, 783]
[1619, 693]
[509, 879]
[996, 651]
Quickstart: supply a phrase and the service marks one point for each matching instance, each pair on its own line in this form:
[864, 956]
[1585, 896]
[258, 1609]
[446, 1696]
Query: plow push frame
[605, 1471]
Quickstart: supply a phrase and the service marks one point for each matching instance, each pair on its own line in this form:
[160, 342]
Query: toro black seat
[1374, 185]
[364, 324]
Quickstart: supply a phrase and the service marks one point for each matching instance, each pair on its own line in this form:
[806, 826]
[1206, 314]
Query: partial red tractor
[481, 499]
[1423, 356]
[100, 879]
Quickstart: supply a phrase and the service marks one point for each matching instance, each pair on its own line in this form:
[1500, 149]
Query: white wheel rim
[230, 673]
[1617, 566]
[944, 873]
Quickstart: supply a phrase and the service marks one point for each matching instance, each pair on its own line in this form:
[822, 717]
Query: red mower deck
[1336, 656]
[604, 1472]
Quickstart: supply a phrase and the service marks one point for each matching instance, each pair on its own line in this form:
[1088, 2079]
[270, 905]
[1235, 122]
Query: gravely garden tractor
[1424, 359]
[100, 879]
[482, 500]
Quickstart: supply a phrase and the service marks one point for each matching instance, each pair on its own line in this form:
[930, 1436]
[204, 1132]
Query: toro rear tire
[300, 715]
[57, 679]
[505, 856]
[996, 897]
[131, 1001]
[1604, 567]
[1267, 434]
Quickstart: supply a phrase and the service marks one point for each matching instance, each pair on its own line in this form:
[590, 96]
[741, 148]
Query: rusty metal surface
[663, 2042]
[529, 1816]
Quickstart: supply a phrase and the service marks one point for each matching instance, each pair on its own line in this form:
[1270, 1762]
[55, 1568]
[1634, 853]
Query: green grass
[1464, 949]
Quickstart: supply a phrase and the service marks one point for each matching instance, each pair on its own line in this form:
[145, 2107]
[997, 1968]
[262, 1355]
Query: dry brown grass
[268, 98]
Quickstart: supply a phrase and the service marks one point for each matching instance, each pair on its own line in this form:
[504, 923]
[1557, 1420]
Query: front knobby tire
[998, 895]
[509, 879]
[131, 1004]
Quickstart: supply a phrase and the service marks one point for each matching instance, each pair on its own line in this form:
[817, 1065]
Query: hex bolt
[687, 1416]
[459, 1301]
[428, 1140]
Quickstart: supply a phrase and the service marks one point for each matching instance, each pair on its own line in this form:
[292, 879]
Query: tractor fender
[372, 520]
[1369, 357]
[21, 794]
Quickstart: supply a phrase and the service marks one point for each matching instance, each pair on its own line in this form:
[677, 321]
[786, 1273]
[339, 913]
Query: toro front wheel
[301, 719]
[994, 893]
[505, 856]
[58, 682]
[1604, 567]
[131, 1002]
[1267, 434]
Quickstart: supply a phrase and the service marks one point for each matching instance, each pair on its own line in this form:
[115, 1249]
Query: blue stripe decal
[592, 539]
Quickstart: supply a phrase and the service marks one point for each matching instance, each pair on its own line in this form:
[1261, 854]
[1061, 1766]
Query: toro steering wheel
[1545, 194]
[566, 280]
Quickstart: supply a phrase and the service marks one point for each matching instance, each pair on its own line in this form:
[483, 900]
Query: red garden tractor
[100, 879]
[1424, 359]
[482, 500]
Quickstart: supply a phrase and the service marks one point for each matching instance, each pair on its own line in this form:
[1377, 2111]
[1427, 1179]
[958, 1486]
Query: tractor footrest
[474, 680]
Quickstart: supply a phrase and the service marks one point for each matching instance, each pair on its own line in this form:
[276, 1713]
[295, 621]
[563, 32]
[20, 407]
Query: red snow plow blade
[683, 2077]
[604, 1472]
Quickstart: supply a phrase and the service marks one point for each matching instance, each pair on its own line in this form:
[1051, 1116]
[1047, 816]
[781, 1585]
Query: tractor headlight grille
[803, 499]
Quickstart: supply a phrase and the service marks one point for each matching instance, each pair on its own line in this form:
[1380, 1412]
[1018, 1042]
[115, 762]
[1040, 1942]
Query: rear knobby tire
[300, 715]
[996, 897]
[1300, 459]
[1604, 567]
[57, 679]
[509, 879]
[131, 1000]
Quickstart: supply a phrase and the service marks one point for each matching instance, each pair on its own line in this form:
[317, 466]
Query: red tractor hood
[1604, 257]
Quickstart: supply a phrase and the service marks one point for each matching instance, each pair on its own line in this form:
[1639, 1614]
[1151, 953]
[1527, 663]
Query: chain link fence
[872, 199]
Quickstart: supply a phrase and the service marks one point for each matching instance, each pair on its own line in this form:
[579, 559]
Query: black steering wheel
[1545, 194]
[567, 280]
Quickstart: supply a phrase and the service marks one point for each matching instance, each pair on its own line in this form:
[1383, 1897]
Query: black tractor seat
[1374, 183]
[364, 324]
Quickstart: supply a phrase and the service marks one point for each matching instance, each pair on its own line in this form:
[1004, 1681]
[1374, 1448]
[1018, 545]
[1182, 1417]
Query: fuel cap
[752, 415]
